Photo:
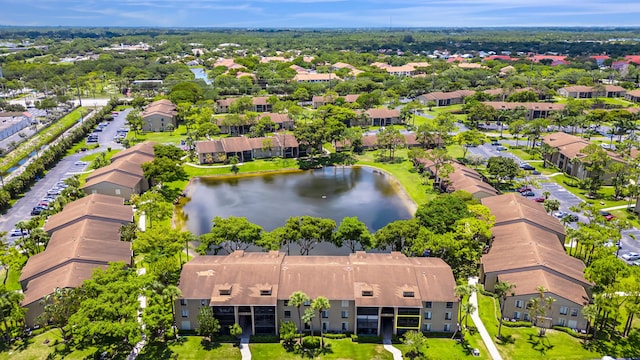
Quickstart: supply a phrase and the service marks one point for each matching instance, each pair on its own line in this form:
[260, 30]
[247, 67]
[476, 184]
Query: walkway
[143, 304]
[244, 347]
[486, 338]
[397, 354]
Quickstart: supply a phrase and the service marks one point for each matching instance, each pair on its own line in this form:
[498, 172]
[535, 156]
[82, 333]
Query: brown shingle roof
[528, 282]
[70, 275]
[94, 206]
[87, 241]
[337, 277]
[206, 147]
[275, 117]
[542, 106]
[141, 148]
[524, 246]
[380, 113]
[512, 207]
[236, 144]
[114, 177]
[439, 95]
[124, 166]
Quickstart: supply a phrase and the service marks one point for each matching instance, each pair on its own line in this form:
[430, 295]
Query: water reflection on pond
[269, 200]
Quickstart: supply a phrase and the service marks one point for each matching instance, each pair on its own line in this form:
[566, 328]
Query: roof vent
[225, 290]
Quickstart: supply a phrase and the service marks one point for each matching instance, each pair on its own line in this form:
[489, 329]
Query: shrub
[514, 324]
[486, 293]
[265, 339]
[335, 336]
[369, 339]
[311, 342]
[570, 331]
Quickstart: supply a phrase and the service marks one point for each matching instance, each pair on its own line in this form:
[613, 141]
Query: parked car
[560, 214]
[539, 199]
[501, 148]
[526, 166]
[495, 143]
[53, 191]
[631, 256]
[79, 163]
[524, 189]
[18, 232]
[606, 215]
[37, 210]
[528, 193]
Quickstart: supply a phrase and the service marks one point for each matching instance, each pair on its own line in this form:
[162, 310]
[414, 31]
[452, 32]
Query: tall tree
[320, 304]
[390, 139]
[502, 290]
[298, 299]
[230, 234]
[309, 231]
[539, 306]
[208, 326]
[353, 233]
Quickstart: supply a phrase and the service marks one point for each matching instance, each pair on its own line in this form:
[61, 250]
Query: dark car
[495, 143]
[523, 189]
[527, 167]
[528, 193]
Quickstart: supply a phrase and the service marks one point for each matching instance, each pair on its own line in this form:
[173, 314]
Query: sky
[320, 13]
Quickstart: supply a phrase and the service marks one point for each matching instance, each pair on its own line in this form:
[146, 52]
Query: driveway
[67, 167]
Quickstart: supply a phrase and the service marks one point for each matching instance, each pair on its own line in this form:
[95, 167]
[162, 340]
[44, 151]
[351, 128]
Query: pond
[373, 196]
[200, 73]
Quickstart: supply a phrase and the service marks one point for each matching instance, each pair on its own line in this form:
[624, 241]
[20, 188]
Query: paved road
[21, 210]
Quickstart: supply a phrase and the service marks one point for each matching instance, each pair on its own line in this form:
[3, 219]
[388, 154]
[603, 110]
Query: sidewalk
[397, 354]
[244, 347]
[486, 338]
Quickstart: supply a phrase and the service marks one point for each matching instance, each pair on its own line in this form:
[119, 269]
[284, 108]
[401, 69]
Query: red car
[539, 199]
[606, 215]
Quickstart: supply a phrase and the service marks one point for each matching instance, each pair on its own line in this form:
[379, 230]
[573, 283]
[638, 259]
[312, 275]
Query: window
[225, 291]
[516, 315]
[287, 314]
[345, 303]
[564, 310]
[447, 327]
[266, 291]
[286, 303]
[428, 304]
[367, 292]
[345, 314]
[449, 305]
[427, 315]
[408, 294]
[526, 317]
[203, 302]
[325, 325]
[325, 314]
[562, 321]
[117, 191]
[519, 303]
[183, 302]
[345, 326]
[574, 311]
[572, 324]
[185, 312]
[427, 326]
[447, 316]
[307, 303]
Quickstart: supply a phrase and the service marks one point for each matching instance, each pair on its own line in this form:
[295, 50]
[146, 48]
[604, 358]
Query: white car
[560, 214]
[80, 163]
[631, 256]
[18, 232]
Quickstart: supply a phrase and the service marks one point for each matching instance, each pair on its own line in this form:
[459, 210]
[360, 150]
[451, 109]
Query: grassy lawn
[13, 278]
[160, 137]
[335, 349]
[43, 346]
[44, 137]
[189, 347]
[447, 349]
[524, 343]
[403, 171]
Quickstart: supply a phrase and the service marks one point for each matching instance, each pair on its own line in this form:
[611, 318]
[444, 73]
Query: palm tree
[462, 291]
[467, 310]
[502, 289]
[590, 313]
[297, 299]
[308, 316]
[9, 302]
[171, 293]
[539, 307]
[319, 304]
